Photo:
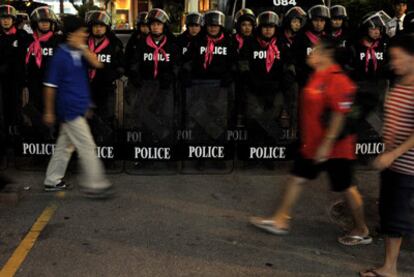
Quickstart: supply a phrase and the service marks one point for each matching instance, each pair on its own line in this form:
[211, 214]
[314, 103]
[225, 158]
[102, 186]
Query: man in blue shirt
[66, 85]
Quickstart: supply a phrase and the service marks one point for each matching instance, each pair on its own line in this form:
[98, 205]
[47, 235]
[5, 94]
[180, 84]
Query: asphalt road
[187, 225]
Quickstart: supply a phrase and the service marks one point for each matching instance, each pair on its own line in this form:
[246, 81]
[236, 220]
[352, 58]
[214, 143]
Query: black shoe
[59, 187]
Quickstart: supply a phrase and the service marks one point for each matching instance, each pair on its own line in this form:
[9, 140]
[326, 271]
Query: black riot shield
[369, 101]
[104, 121]
[267, 140]
[206, 118]
[150, 123]
[33, 140]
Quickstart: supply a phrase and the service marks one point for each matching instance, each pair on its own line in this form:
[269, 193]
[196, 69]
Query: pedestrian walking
[396, 203]
[328, 94]
[66, 88]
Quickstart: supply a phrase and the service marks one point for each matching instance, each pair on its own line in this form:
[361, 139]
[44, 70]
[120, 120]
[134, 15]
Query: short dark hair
[329, 45]
[405, 42]
[72, 23]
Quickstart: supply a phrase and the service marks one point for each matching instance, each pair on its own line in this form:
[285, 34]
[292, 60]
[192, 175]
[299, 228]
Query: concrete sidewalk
[188, 226]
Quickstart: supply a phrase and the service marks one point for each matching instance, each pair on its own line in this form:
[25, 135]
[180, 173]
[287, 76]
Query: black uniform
[344, 41]
[370, 75]
[365, 66]
[265, 80]
[110, 52]
[143, 65]
[12, 50]
[302, 47]
[185, 40]
[131, 47]
[240, 43]
[102, 79]
[35, 73]
[219, 66]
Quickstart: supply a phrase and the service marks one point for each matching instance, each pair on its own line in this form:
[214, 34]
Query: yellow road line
[19, 255]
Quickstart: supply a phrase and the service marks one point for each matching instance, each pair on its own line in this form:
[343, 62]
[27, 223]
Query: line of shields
[204, 128]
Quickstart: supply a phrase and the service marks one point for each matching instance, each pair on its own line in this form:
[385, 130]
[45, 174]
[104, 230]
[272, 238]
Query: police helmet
[375, 20]
[268, 18]
[338, 11]
[98, 17]
[292, 13]
[194, 19]
[214, 17]
[408, 23]
[158, 15]
[43, 14]
[142, 18]
[321, 11]
[244, 15]
[8, 11]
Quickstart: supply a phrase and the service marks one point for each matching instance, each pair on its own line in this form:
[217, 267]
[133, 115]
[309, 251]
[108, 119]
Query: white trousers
[76, 135]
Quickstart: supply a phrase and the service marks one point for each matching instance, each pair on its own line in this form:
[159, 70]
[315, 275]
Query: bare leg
[392, 251]
[355, 202]
[283, 213]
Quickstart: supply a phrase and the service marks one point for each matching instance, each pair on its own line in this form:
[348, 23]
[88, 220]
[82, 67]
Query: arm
[386, 159]
[91, 58]
[334, 128]
[49, 117]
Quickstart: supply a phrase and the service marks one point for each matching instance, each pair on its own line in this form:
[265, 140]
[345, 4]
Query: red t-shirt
[326, 89]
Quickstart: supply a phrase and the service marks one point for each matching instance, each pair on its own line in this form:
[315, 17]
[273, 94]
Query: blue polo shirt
[68, 73]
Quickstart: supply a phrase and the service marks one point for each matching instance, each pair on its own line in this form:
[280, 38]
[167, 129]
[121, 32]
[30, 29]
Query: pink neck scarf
[313, 37]
[36, 48]
[92, 47]
[240, 41]
[211, 43]
[337, 33]
[12, 31]
[158, 49]
[272, 52]
[370, 53]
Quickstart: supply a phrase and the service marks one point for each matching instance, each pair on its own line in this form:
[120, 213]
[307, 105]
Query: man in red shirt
[326, 99]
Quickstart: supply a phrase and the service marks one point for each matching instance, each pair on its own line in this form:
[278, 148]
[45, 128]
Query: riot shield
[204, 147]
[150, 123]
[33, 141]
[104, 121]
[266, 141]
[370, 99]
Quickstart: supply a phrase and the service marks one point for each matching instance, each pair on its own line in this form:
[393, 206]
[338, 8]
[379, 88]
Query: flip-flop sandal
[371, 271]
[268, 226]
[349, 240]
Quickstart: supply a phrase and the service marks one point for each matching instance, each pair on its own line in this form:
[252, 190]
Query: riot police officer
[193, 23]
[13, 44]
[142, 30]
[370, 67]
[340, 34]
[267, 59]
[293, 22]
[156, 57]
[109, 50]
[244, 24]
[318, 17]
[41, 48]
[212, 56]
[153, 77]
